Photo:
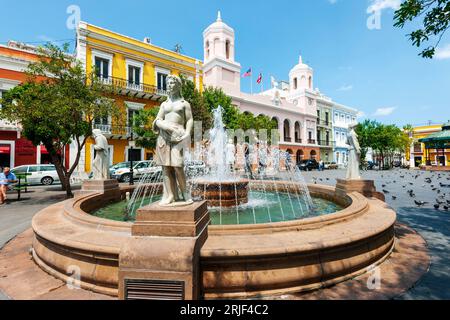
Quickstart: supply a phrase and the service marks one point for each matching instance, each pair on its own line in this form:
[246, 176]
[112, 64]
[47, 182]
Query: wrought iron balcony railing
[114, 131]
[134, 89]
[311, 141]
[287, 139]
[326, 143]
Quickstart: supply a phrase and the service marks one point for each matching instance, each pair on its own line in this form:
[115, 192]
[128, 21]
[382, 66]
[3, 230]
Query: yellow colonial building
[419, 155]
[137, 70]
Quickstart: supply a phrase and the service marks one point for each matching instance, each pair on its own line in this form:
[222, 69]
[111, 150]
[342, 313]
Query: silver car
[38, 173]
[140, 168]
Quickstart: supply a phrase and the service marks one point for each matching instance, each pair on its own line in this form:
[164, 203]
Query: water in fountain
[243, 184]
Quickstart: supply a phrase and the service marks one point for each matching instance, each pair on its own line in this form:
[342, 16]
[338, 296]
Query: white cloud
[332, 1]
[443, 53]
[382, 112]
[345, 88]
[380, 5]
[360, 114]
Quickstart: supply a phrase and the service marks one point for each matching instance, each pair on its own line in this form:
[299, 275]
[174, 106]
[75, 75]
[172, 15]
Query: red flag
[259, 80]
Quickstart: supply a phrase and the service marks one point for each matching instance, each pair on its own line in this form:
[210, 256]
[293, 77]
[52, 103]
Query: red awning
[5, 149]
[43, 150]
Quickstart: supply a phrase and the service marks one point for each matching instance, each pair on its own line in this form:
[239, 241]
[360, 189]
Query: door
[134, 155]
[5, 155]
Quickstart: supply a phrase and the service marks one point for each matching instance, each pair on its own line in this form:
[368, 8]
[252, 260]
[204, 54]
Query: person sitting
[6, 179]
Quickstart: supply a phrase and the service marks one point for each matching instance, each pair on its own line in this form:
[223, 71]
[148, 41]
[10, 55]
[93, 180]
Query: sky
[359, 59]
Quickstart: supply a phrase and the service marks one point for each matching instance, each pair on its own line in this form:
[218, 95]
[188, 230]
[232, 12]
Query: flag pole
[251, 82]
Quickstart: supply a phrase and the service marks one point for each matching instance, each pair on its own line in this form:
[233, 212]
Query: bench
[22, 184]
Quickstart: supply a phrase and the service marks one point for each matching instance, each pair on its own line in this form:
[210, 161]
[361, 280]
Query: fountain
[236, 196]
[270, 233]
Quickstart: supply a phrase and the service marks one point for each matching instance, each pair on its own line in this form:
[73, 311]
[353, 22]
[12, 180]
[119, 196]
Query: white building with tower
[294, 104]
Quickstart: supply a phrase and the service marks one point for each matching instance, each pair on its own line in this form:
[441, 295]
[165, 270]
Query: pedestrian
[321, 165]
[6, 179]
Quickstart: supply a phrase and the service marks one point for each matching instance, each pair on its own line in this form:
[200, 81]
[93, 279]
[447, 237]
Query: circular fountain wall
[221, 194]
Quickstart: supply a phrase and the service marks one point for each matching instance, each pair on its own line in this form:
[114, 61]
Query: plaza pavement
[433, 225]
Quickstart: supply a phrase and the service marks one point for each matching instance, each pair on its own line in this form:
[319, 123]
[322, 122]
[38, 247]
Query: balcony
[134, 90]
[298, 140]
[326, 143]
[287, 139]
[114, 132]
[311, 141]
[323, 123]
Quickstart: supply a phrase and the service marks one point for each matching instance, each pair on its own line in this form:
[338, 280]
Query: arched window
[303, 81]
[310, 82]
[338, 158]
[313, 154]
[207, 49]
[298, 135]
[216, 46]
[295, 83]
[227, 49]
[299, 156]
[287, 131]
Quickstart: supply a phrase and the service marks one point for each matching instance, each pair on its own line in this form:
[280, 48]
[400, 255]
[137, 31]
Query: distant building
[304, 115]
[342, 117]
[420, 155]
[14, 149]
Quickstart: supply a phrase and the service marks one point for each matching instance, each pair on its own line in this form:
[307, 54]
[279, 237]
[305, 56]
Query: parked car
[331, 165]
[372, 165]
[44, 174]
[195, 168]
[122, 173]
[308, 165]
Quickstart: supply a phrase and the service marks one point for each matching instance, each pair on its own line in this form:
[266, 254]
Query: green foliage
[436, 20]
[200, 111]
[385, 140]
[142, 127]
[57, 105]
[215, 97]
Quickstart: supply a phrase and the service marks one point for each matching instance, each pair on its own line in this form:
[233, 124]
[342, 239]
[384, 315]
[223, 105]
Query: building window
[207, 49]
[295, 83]
[134, 75]
[310, 82]
[102, 67]
[162, 81]
[133, 109]
[227, 49]
[327, 115]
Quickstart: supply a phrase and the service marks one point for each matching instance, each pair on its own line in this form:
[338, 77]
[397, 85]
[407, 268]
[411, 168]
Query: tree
[143, 128]
[436, 19]
[215, 97]
[200, 111]
[57, 106]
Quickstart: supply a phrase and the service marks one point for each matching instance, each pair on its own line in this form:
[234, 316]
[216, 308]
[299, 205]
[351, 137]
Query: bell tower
[220, 68]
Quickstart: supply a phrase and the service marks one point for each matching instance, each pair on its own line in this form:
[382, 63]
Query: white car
[140, 168]
[38, 173]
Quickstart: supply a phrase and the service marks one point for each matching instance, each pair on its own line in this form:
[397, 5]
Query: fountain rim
[356, 204]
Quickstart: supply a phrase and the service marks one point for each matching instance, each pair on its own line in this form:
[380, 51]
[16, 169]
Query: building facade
[304, 115]
[419, 155]
[138, 70]
[342, 117]
[14, 149]
[325, 128]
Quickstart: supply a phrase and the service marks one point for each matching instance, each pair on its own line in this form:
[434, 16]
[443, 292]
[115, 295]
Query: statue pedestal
[110, 188]
[161, 259]
[365, 187]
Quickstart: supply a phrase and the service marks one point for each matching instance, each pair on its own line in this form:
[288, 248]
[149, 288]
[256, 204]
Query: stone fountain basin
[239, 261]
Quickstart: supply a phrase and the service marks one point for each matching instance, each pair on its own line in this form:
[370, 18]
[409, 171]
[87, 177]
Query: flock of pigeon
[438, 183]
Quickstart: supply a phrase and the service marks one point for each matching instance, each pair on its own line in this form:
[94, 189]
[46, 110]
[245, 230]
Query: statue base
[110, 188]
[161, 261]
[365, 187]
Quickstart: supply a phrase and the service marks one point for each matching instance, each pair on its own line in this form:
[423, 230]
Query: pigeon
[446, 208]
[385, 191]
[394, 198]
[420, 203]
[436, 206]
[383, 185]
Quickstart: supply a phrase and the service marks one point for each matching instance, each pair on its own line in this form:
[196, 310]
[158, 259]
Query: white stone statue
[100, 166]
[354, 154]
[174, 125]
